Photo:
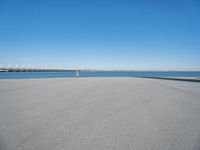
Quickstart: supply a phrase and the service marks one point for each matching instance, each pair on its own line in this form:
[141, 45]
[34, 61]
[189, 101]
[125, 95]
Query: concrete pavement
[99, 114]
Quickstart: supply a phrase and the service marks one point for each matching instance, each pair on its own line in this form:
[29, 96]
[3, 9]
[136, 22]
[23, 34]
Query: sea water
[30, 75]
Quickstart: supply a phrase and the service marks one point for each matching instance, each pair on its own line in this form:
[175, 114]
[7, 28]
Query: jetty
[35, 69]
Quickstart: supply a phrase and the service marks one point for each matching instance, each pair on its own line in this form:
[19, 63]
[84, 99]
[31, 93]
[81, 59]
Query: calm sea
[30, 75]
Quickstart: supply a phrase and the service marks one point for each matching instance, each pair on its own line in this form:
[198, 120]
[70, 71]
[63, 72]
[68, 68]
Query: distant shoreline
[188, 79]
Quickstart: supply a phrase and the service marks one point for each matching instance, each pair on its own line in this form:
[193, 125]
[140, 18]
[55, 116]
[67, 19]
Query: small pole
[77, 73]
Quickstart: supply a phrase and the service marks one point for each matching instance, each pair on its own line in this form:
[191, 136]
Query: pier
[35, 69]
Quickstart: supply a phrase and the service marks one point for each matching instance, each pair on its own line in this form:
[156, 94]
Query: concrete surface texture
[99, 114]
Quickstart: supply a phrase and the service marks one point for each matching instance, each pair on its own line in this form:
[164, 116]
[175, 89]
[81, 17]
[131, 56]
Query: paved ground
[99, 114]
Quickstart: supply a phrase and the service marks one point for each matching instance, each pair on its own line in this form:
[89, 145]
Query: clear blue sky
[101, 34]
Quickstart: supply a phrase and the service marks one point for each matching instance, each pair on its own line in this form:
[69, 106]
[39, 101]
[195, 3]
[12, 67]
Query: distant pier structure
[35, 69]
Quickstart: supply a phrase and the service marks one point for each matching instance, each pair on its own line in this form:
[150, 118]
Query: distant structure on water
[34, 69]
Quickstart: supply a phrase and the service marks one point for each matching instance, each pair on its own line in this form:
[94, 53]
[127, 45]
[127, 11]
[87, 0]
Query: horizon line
[90, 69]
